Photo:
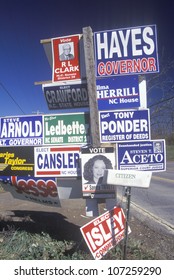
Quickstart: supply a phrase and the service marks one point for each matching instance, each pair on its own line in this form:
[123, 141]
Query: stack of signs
[120, 56]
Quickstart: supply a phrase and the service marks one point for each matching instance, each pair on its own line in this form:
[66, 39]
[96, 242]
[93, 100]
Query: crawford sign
[62, 129]
[144, 155]
[66, 96]
[127, 125]
[126, 51]
[21, 131]
[57, 161]
[104, 232]
[118, 93]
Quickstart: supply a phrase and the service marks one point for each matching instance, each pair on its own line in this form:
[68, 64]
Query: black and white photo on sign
[66, 51]
[94, 166]
[158, 147]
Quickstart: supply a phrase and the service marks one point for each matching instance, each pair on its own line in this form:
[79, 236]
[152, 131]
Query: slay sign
[104, 232]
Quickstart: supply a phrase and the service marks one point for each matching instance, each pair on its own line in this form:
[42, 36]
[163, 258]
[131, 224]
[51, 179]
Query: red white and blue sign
[57, 161]
[21, 131]
[126, 51]
[118, 93]
[142, 156]
[124, 125]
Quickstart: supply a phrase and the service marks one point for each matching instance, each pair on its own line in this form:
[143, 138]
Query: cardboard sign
[63, 129]
[65, 53]
[127, 125]
[21, 131]
[118, 93]
[57, 161]
[16, 161]
[38, 190]
[127, 178]
[144, 155]
[66, 96]
[104, 232]
[94, 161]
[126, 51]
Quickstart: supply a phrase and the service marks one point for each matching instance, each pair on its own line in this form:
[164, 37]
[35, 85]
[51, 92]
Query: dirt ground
[64, 223]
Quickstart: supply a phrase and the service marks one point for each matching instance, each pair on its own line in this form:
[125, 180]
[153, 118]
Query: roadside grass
[169, 152]
[20, 245]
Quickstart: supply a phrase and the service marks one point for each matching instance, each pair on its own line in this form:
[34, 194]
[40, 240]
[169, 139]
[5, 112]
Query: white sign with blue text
[21, 131]
[126, 51]
[127, 125]
[118, 93]
[144, 155]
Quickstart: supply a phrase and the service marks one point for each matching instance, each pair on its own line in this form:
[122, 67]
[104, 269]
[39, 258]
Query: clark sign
[126, 51]
[144, 155]
[127, 125]
[104, 232]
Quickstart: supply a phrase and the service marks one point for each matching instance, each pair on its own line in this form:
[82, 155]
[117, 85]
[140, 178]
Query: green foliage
[15, 245]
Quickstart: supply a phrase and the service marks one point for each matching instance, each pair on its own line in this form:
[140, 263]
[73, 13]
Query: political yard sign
[66, 129]
[65, 53]
[118, 93]
[94, 160]
[143, 155]
[17, 161]
[66, 96]
[21, 131]
[127, 125]
[126, 51]
[105, 232]
[57, 161]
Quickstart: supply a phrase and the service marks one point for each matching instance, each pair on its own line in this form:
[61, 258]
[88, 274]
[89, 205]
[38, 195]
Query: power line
[4, 88]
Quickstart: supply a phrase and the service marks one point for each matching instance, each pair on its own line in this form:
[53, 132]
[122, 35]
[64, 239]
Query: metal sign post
[128, 195]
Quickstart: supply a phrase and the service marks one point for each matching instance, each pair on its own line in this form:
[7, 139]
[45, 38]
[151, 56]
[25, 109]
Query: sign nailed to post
[144, 155]
[118, 93]
[57, 161]
[126, 51]
[118, 126]
[65, 58]
[21, 131]
[63, 129]
[66, 96]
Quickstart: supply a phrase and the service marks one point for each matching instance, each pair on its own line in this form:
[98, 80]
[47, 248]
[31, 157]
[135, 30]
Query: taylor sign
[104, 232]
[129, 178]
[118, 126]
[126, 51]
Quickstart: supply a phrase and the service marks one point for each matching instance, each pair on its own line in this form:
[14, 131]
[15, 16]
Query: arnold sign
[126, 51]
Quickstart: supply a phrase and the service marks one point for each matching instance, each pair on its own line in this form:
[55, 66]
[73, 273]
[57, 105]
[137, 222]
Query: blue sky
[23, 23]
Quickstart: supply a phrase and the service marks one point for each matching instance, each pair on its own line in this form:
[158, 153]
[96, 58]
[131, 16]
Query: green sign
[62, 129]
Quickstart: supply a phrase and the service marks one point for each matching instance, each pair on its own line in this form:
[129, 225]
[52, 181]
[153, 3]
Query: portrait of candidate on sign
[66, 51]
[93, 170]
[158, 147]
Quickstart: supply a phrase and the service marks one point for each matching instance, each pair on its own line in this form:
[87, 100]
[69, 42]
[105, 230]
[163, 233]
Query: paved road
[158, 200]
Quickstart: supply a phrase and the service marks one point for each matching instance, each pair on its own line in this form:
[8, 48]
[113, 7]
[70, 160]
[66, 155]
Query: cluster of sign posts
[100, 137]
